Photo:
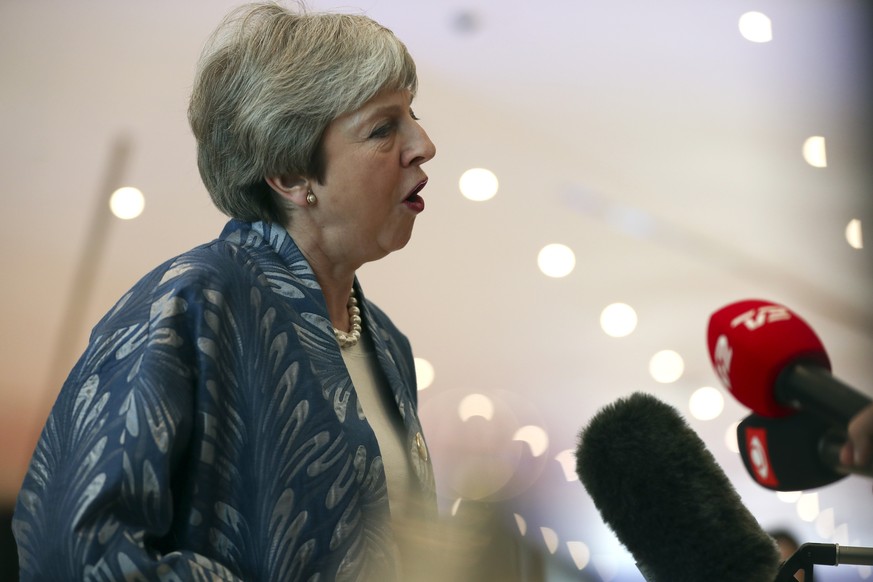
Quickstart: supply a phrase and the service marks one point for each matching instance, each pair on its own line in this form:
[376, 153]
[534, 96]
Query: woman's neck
[335, 279]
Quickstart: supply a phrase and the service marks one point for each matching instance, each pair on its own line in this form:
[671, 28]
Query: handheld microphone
[663, 494]
[794, 453]
[774, 363]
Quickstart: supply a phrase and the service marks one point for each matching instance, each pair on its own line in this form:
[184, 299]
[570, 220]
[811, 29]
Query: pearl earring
[310, 198]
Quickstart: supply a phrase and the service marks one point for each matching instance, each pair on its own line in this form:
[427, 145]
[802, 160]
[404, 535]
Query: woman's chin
[397, 243]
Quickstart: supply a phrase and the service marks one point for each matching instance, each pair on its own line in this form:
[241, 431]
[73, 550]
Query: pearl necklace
[348, 339]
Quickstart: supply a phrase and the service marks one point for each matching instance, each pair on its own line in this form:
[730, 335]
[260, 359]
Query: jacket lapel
[403, 387]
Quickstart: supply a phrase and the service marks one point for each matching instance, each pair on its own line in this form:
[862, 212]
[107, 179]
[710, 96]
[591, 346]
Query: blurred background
[646, 164]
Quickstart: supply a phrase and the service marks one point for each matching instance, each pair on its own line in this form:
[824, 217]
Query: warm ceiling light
[825, 524]
[756, 27]
[841, 534]
[666, 366]
[618, 320]
[535, 437]
[730, 438]
[567, 460]
[556, 260]
[580, 553]
[854, 234]
[478, 184]
[788, 496]
[521, 523]
[808, 507]
[814, 152]
[424, 373]
[550, 536]
[706, 403]
[476, 405]
[127, 203]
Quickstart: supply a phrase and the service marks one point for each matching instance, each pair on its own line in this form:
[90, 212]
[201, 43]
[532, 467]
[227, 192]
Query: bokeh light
[855, 234]
[535, 437]
[580, 553]
[127, 203]
[815, 152]
[756, 27]
[476, 405]
[706, 403]
[567, 460]
[666, 366]
[618, 320]
[788, 496]
[550, 536]
[478, 184]
[807, 507]
[424, 373]
[556, 260]
[521, 523]
[730, 438]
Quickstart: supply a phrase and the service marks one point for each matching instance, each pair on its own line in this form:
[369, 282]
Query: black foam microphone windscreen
[661, 491]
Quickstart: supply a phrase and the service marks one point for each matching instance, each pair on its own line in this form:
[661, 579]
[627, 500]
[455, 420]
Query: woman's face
[369, 198]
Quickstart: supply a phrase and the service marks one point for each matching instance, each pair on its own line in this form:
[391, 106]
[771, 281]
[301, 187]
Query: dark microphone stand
[824, 555]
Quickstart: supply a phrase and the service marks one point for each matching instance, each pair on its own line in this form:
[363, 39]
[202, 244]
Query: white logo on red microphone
[756, 447]
[760, 316]
[759, 458]
[722, 357]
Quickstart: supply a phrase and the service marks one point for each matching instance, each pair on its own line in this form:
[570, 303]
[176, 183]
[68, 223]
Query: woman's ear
[291, 188]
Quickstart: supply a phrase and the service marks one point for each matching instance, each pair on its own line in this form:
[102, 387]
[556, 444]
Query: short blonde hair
[269, 82]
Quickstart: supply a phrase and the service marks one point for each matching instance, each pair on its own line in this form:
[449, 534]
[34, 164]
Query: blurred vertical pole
[84, 281]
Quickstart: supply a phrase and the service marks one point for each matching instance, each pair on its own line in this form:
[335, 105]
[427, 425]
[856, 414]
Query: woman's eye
[382, 131]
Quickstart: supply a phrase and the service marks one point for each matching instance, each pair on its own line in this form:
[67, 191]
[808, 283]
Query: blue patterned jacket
[210, 431]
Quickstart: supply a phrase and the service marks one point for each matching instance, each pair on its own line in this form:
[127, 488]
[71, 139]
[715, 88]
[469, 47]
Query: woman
[243, 412]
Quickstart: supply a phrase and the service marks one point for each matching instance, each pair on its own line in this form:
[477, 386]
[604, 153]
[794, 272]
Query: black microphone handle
[811, 387]
[829, 451]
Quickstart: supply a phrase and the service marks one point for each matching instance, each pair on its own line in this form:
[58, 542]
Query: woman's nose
[421, 148]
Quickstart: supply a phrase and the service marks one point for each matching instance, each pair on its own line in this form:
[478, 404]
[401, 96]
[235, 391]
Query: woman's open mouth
[415, 202]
